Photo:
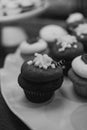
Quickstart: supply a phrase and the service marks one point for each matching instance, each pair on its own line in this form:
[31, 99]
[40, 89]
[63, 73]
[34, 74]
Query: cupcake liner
[38, 97]
[79, 84]
[80, 90]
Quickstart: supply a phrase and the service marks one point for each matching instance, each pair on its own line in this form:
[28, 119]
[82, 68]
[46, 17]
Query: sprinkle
[63, 67]
[53, 66]
[82, 36]
[75, 46]
[30, 62]
[45, 67]
[66, 42]
[42, 61]
[36, 63]
[81, 29]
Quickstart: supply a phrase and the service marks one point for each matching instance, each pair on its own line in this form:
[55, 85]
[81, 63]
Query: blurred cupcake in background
[29, 47]
[74, 20]
[78, 75]
[50, 33]
[81, 33]
[12, 37]
[66, 48]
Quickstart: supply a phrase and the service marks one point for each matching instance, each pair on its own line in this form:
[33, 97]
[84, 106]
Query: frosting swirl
[42, 61]
[80, 67]
[81, 29]
[67, 41]
[27, 48]
[74, 17]
[51, 32]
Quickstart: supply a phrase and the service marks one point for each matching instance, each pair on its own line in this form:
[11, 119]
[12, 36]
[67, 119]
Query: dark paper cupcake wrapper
[80, 90]
[38, 97]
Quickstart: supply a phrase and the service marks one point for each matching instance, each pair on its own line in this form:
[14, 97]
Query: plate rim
[29, 14]
[8, 104]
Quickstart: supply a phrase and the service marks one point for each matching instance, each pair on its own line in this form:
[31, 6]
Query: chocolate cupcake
[66, 48]
[81, 34]
[40, 77]
[74, 20]
[51, 32]
[28, 48]
[78, 75]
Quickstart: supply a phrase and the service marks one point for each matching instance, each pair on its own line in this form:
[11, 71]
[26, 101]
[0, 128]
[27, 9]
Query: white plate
[24, 15]
[65, 111]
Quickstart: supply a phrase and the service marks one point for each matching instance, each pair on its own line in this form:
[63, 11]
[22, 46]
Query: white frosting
[67, 41]
[38, 46]
[42, 61]
[74, 17]
[52, 32]
[81, 29]
[79, 67]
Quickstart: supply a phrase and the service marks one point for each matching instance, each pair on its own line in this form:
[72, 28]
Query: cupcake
[81, 34]
[40, 78]
[74, 20]
[78, 75]
[51, 32]
[66, 48]
[28, 48]
[12, 37]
